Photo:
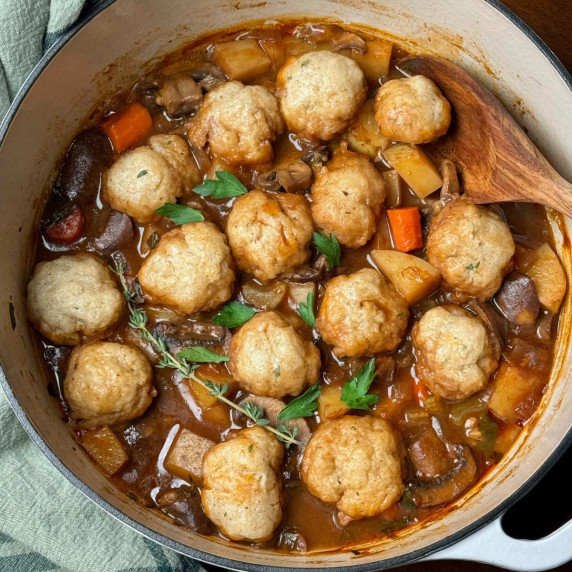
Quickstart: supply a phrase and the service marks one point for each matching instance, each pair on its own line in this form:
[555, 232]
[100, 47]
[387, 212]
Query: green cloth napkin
[45, 522]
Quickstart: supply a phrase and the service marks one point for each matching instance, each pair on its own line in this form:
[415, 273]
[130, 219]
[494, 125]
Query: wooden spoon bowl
[497, 161]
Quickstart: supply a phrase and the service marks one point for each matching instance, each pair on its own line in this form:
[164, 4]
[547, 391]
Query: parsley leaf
[303, 406]
[355, 391]
[226, 185]
[180, 214]
[233, 315]
[141, 173]
[200, 354]
[473, 266]
[328, 246]
[306, 310]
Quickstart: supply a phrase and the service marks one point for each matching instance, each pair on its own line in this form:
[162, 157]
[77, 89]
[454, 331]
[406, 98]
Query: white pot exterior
[112, 51]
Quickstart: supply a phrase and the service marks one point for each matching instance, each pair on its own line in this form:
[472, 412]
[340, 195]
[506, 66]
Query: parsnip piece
[241, 60]
[548, 276]
[375, 62]
[395, 188]
[185, 457]
[413, 277]
[511, 386]
[365, 136]
[329, 404]
[415, 167]
[298, 293]
[213, 409]
[105, 449]
[506, 437]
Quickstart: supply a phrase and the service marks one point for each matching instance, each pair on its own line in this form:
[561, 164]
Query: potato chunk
[105, 449]
[413, 277]
[185, 457]
[375, 62]
[241, 60]
[330, 404]
[548, 277]
[512, 385]
[365, 136]
[416, 168]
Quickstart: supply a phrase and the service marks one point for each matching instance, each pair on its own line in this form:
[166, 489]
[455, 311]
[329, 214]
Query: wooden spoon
[498, 162]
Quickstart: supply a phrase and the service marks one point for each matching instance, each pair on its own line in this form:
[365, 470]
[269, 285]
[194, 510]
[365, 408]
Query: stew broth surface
[308, 523]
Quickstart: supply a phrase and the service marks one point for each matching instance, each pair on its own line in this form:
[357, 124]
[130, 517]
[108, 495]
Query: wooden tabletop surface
[551, 20]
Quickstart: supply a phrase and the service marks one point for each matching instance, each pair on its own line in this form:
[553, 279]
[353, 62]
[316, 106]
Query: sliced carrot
[421, 391]
[405, 227]
[128, 127]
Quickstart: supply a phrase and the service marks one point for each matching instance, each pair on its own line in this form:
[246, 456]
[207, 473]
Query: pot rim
[200, 555]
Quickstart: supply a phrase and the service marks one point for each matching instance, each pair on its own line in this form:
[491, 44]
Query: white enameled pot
[110, 50]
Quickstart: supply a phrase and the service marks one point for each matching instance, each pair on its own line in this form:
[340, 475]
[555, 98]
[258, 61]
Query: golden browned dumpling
[239, 123]
[140, 182]
[269, 357]
[347, 198]
[412, 110]
[107, 383]
[362, 314]
[242, 491]
[176, 151]
[73, 298]
[454, 355]
[320, 92]
[471, 246]
[354, 463]
[191, 270]
[269, 233]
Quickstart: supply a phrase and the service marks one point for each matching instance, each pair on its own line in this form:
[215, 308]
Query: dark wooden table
[540, 512]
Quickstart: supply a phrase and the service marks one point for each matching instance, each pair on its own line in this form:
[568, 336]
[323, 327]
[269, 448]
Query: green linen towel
[45, 522]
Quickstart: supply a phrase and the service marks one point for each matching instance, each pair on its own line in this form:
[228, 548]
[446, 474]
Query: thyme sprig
[138, 321]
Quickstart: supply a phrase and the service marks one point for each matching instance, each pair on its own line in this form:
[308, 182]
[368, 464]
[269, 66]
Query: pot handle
[491, 545]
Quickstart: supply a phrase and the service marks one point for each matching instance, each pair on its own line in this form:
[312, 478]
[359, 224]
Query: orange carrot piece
[128, 127]
[405, 227]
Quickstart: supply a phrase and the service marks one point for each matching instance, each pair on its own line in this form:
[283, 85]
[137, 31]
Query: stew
[267, 308]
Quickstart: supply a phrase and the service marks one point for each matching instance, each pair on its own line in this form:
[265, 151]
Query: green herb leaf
[328, 246]
[250, 448]
[233, 315]
[141, 173]
[408, 500]
[226, 185]
[306, 310]
[180, 214]
[355, 391]
[216, 389]
[200, 354]
[303, 406]
[473, 266]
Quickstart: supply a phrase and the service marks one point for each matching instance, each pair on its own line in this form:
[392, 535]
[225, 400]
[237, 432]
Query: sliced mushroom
[492, 321]
[183, 504]
[308, 273]
[208, 76]
[428, 454]
[518, 301]
[295, 178]
[316, 157]
[338, 38]
[450, 190]
[272, 408]
[179, 335]
[180, 94]
[349, 41]
[450, 486]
